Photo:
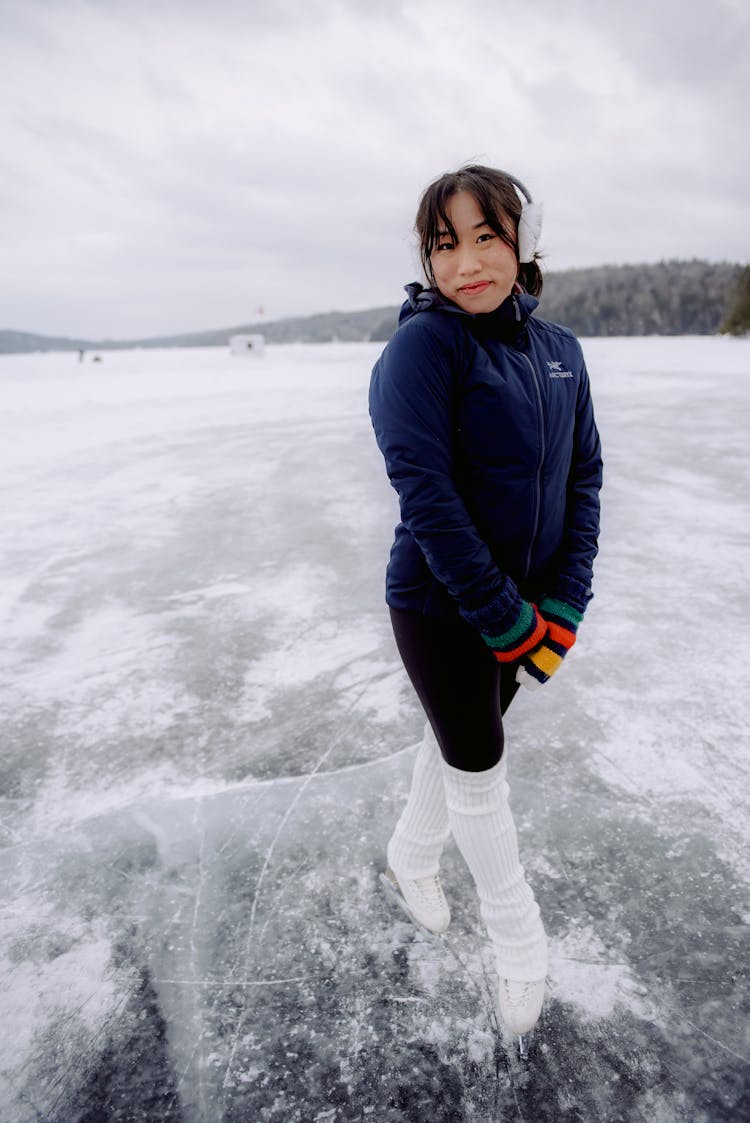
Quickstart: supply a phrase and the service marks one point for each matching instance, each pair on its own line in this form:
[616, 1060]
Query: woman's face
[478, 270]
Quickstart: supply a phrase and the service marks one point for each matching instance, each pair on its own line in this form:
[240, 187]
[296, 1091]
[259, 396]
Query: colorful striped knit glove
[538, 666]
[524, 635]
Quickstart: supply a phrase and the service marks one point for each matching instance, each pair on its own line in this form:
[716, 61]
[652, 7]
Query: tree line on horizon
[669, 298]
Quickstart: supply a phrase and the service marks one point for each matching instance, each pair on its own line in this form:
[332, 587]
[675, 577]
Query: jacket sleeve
[411, 406]
[580, 540]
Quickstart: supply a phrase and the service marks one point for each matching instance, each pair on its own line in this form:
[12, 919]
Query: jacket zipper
[538, 482]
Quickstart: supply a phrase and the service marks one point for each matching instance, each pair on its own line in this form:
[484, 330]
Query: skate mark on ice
[714, 1040]
[265, 867]
[199, 821]
[256, 896]
[247, 984]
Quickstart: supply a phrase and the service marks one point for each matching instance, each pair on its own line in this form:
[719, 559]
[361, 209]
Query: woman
[483, 414]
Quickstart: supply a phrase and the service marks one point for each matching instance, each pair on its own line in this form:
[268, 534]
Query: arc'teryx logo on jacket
[554, 368]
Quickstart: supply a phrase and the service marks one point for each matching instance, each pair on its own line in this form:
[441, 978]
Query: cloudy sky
[173, 165]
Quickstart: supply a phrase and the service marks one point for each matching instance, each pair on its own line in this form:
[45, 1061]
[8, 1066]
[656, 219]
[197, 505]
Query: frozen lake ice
[207, 736]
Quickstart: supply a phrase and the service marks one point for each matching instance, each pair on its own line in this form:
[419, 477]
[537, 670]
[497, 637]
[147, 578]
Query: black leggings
[463, 689]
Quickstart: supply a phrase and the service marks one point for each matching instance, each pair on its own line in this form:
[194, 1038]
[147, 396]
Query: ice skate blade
[393, 893]
[518, 1046]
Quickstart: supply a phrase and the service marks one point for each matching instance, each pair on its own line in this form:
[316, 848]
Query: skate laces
[427, 889]
[519, 994]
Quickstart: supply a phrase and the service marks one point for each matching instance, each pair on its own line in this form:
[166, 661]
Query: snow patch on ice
[228, 587]
[62, 806]
[293, 594]
[53, 970]
[383, 691]
[648, 764]
[581, 972]
[322, 650]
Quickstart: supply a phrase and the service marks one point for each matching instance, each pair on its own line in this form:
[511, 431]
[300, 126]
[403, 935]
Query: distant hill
[349, 327]
[670, 298]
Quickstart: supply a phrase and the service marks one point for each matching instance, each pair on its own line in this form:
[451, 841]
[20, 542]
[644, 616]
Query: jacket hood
[510, 317]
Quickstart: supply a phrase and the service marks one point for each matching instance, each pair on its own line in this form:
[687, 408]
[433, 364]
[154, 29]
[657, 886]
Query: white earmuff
[529, 231]
[529, 224]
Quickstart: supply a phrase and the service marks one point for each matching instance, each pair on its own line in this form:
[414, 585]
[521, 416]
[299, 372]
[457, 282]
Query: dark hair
[497, 199]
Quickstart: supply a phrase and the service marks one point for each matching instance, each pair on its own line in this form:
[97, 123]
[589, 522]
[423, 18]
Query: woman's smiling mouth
[477, 287]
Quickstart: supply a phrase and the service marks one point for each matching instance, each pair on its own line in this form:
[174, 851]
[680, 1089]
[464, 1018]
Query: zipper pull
[518, 309]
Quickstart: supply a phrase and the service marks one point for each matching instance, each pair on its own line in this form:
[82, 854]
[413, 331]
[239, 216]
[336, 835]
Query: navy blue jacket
[488, 434]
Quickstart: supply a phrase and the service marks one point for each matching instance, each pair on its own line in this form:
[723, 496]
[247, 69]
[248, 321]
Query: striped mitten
[538, 666]
[526, 633]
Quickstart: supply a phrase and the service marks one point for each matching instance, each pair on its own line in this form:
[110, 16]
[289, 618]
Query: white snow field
[207, 737]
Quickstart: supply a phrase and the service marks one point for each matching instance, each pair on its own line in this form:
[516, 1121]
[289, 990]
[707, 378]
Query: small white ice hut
[247, 344]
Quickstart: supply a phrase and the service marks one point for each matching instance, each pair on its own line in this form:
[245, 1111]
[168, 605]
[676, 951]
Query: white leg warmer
[483, 827]
[417, 842]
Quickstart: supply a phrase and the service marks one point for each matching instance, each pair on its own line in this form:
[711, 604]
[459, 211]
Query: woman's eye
[444, 246]
[485, 237]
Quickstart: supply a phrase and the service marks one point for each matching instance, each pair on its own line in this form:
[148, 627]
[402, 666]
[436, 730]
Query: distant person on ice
[483, 414]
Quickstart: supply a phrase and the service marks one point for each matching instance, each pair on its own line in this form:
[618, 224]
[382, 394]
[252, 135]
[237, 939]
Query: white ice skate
[520, 1004]
[422, 898]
